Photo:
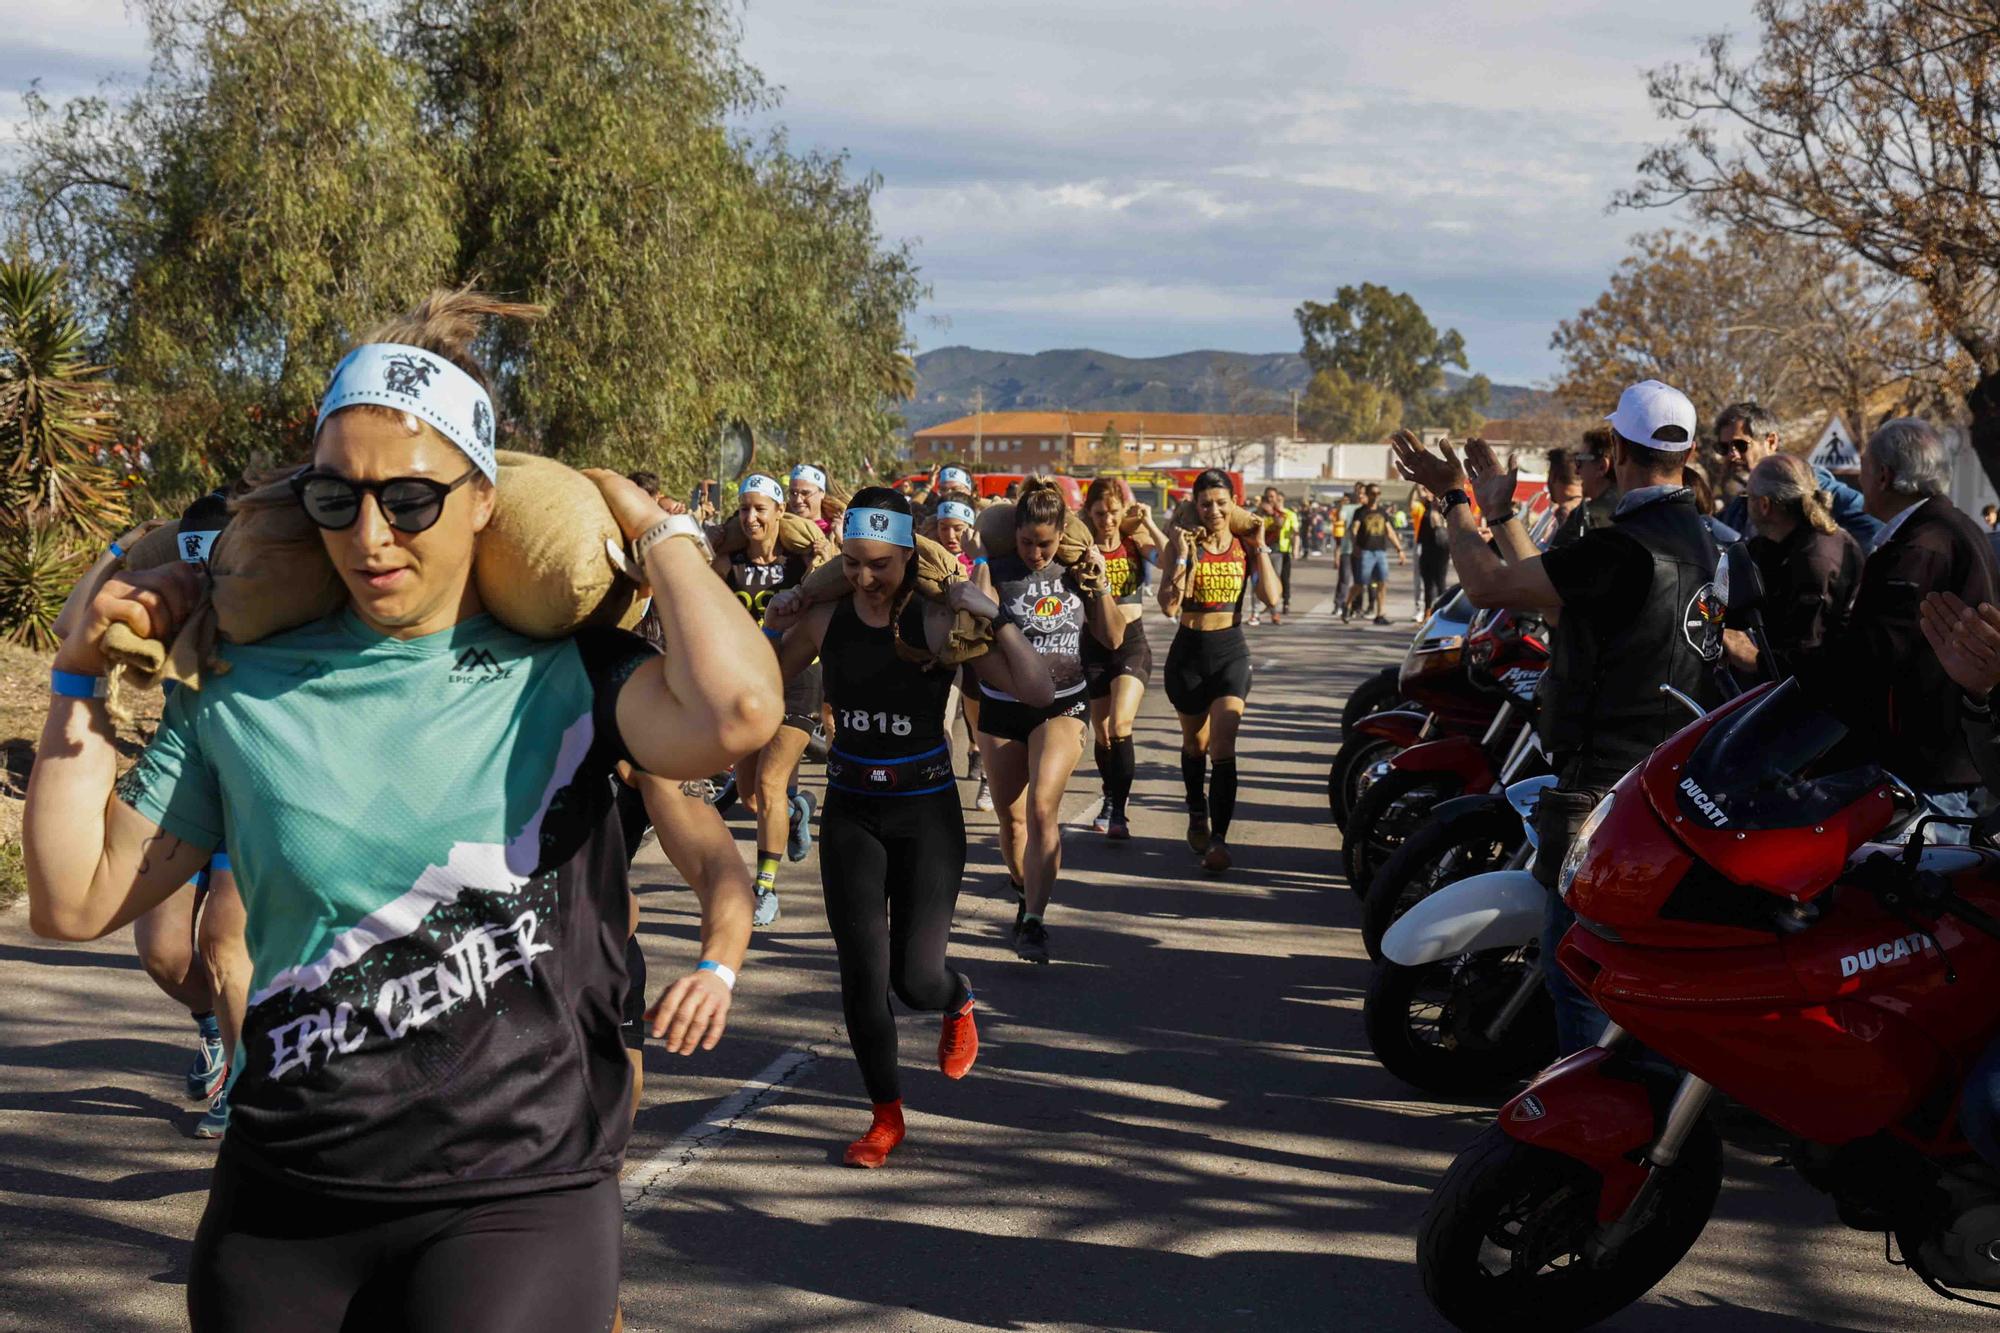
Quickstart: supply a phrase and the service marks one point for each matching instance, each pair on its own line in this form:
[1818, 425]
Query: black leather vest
[1602, 703]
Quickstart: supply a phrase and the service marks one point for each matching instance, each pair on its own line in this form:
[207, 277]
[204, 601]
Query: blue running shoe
[214, 1122]
[211, 1062]
[801, 843]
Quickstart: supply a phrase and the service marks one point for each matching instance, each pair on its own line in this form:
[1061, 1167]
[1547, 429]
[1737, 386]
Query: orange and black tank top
[1124, 568]
[1219, 580]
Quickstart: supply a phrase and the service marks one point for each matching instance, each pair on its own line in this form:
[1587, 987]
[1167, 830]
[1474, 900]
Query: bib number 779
[885, 724]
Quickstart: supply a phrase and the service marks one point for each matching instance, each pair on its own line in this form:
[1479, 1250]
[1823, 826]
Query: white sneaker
[984, 800]
[1102, 823]
[767, 908]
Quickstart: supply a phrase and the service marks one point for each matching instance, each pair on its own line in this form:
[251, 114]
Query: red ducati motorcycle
[1734, 921]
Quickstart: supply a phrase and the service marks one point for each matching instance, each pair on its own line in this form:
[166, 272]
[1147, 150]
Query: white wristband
[727, 975]
[673, 525]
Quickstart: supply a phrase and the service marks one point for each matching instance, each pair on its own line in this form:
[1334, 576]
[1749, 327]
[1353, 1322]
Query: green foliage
[1341, 408]
[294, 170]
[55, 413]
[39, 564]
[1110, 452]
[1383, 338]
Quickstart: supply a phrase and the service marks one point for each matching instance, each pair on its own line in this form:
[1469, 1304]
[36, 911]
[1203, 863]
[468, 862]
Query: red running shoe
[873, 1148]
[958, 1041]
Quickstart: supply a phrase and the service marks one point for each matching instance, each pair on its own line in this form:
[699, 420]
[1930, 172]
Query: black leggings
[891, 868]
[268, 1255]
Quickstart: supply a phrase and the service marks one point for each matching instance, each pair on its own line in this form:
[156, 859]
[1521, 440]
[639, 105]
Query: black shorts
[1206, 665]
[633, 1025]
[1012, 720]
[269, 1254]
[1101, 665]
[803, 693]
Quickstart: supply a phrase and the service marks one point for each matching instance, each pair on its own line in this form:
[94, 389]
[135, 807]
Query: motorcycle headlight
[1579, 846]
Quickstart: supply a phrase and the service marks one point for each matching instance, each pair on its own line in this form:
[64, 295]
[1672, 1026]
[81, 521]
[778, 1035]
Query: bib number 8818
[887, 724]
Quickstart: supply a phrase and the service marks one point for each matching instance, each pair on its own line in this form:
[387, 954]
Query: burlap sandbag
[995, 525]
[1242, 525]
[159, 544]
[937, 570]
[797, 535]
[542, 568]
[1241, 521]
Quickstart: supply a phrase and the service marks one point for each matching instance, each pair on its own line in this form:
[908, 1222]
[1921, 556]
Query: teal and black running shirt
[423, 834]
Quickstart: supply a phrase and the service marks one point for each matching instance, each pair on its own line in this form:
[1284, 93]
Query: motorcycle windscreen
[1760, 795]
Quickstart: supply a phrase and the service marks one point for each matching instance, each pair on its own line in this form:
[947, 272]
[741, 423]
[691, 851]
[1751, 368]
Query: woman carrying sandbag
[1116, 679]
[432, 1112]
[765, 778]
[1207, 571]
[806, 496]
[952, 527]
[892, 840]
[1031, 750]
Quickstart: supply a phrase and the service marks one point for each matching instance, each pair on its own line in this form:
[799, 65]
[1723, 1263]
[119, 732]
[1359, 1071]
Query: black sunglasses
[410, 504]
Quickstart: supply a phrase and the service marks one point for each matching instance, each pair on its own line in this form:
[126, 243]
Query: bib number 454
[886, 724]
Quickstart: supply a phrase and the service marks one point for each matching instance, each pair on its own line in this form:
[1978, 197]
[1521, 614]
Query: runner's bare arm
[693, 1011]
[714, 695]
[1011, 665]
[1102, 621]
[1170, 577]
[802, 640]
[93, 863]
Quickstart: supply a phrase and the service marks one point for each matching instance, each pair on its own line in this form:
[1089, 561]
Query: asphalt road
[1175, 1127]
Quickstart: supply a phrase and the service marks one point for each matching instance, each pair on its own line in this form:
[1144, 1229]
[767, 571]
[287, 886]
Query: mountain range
[1080, 379]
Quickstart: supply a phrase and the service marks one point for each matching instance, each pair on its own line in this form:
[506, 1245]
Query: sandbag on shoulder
[937, 570]
[797, 535]
[1241, 521]
[995, 525]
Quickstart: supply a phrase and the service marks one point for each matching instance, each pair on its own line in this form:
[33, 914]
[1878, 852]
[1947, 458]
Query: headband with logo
[957, 509]
[878, 525]
[423, 384]
[806, 472]
[759, 484]
[955, 476]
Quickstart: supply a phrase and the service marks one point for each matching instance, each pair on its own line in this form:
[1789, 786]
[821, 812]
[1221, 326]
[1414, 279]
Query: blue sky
[1151, 178]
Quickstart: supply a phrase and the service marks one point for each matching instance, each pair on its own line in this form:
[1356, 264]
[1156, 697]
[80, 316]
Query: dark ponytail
[1212, 479]
[1041, 502]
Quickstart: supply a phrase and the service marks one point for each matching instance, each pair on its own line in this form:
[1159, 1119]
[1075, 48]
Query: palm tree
[56, 412]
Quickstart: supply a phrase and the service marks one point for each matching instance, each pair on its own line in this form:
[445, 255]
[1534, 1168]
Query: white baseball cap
[1656, 415]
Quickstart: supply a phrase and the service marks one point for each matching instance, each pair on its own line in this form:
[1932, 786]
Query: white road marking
[1323, 607]
[1082, 809]
[647, 1184]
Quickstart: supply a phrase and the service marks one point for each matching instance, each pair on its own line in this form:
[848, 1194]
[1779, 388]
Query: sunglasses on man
[409, 504]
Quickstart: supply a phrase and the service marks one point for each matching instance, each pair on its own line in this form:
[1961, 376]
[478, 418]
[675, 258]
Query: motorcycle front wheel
[1443, 851]
[1391, 810]
[1502, 1244]
[1347, 778]
[1427, 1024]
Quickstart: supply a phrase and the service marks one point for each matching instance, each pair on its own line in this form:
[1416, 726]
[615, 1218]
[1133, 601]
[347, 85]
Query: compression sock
[873, 1148]
[205, 1022]
[958, 1041]
[1104, 762]
[1192, 766]
[1118, 778]
[1222, 798]
[767, 871]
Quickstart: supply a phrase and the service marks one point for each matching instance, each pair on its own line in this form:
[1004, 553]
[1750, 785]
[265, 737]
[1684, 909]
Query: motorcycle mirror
[1738, 582]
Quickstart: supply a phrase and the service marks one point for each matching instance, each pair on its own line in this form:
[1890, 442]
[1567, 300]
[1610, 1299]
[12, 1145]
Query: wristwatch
[669, 527]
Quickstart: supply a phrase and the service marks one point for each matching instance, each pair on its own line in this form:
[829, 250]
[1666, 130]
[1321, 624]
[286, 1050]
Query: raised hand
[1492, 485]
[1418, 464]
[1966, 641]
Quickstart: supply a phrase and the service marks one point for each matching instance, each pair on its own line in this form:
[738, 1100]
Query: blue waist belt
[916, 775]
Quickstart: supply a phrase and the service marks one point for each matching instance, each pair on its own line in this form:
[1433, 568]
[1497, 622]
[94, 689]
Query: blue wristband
[219, 861]
[76, 685]
[978, 559]
[117, 550]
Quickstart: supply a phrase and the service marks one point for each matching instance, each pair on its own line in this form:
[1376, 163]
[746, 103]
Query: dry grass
[24, 702]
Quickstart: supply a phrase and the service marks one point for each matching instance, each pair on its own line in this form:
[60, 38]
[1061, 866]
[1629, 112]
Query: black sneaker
[1197, 834]
[1031, 942]
[1381, 620]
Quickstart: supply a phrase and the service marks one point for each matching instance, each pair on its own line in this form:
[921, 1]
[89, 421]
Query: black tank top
[883, 707]
[1049, 614]
[756, 582]
[1123, 566]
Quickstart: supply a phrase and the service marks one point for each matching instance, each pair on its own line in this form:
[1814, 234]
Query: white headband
[759, 484]
[957, 509]
[955, 476]
[423, 384]
[808, 473]
[878, 525]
